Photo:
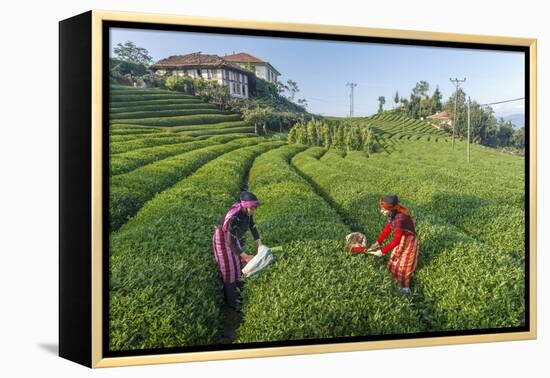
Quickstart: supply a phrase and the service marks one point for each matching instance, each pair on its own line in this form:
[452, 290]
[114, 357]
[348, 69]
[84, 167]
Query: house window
[233, 85]
[244, 91]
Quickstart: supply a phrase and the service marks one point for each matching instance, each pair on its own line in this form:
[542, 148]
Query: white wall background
[29, 186]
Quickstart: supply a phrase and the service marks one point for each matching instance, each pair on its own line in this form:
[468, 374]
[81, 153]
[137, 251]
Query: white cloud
[509, 108]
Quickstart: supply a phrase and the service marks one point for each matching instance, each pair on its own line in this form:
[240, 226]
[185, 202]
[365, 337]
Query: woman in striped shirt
[228, 239]
[404, 245]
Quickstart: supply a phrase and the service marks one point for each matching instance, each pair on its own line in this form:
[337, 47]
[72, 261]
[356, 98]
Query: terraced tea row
[130, 191]
[128, 161]
[164, 286]
[314, 290]
[460, 282]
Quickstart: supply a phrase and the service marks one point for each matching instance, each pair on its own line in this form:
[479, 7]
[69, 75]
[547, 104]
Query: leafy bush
[165, 113]
[131, 190]
[179, 84]
[127, 98]
[182, 120]
[159, 107]
[169, 100]
[131, 160]
[460, 282]
[221, 125]
[213, 131]
[314, 289]
[164, 288]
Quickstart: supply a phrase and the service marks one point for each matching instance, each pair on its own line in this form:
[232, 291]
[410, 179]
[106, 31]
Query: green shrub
[182, 120]
[123, 105]
[145, 142]
[164, 286]
[208, 131]
[122, 99]
[159, 107]
[314, 289]
[129, 191]
[456, 274]
[164, 113]
[132, 131]
[221, 125]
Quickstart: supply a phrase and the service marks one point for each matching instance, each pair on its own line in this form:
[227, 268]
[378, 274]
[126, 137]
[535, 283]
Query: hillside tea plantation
[178, 163]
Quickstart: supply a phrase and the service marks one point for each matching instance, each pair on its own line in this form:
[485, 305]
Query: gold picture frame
[78, 273]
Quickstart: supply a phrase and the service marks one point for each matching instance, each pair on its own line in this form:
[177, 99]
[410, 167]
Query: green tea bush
[164, 113]
[129, 191]
[482, 211]
[221, 125]
[122, 146]
[118, 99]
[164, 289]
[123, 105]
[214, 131]
[160, 107]
[128, 161]
[182, 120]
[456, 274]
[314, 289]
[132, 131]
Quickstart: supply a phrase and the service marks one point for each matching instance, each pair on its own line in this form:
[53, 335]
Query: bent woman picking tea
[227, 242]
[404, 245]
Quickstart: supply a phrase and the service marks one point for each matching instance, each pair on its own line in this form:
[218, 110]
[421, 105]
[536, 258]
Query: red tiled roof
[439, 115]
[196, 59]
[243, 57]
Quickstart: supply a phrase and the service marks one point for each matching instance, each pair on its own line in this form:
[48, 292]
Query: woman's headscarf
[391, 202]
[247, 200]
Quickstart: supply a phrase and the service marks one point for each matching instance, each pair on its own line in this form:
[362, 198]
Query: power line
[502, 102]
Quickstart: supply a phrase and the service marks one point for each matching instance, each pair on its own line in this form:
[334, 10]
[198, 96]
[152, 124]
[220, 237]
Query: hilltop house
[209, 67]
[440, 119]
[261, 68]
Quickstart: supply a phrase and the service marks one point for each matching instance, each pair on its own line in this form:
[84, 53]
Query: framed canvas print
[232, 188]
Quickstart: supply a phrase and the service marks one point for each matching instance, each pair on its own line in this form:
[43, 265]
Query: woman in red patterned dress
[404, 245]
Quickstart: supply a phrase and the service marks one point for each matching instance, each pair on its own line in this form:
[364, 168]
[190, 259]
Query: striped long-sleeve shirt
[400, 225]
[238, 226]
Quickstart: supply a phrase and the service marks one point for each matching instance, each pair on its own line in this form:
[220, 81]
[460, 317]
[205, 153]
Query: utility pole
[351, 85]
[457, 83]
[468, 144]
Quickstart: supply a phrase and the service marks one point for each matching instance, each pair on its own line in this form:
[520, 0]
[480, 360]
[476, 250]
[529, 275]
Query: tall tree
[461, 111]
[435, 100]
[381, 102]
[396, 99]
[129, 52]
[505, 134]
[519, 138]
[292, 87]
[417, 99]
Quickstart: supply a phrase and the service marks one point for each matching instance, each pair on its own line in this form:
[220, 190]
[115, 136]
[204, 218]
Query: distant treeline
[485, 129]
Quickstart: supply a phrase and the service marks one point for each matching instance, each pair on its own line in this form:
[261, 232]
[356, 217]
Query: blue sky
[322, 68]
